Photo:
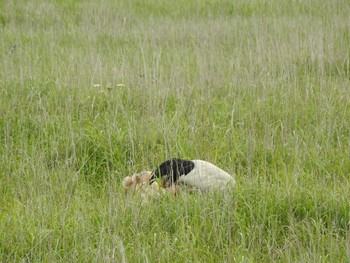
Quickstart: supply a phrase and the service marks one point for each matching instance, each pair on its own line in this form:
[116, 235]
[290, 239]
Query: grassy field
[92, 91]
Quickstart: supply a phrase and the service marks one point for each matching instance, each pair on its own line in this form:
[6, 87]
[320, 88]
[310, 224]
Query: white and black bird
[197, 174]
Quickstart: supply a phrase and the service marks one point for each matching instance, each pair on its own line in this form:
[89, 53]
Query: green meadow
[93, 91]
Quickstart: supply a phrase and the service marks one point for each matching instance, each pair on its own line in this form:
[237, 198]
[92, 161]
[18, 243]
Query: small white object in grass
[207, 176]
[178, 175]
[120, 85]
[195, 174]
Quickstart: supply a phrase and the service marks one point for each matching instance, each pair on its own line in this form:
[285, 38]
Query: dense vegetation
[92, 91]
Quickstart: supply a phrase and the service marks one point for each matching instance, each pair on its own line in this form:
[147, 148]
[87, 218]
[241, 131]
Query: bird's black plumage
[172, 169]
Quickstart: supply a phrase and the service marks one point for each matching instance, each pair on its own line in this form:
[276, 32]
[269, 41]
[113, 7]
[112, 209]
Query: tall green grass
[92, 91]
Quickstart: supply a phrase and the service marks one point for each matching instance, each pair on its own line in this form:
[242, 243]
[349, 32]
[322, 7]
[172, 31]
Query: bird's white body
[207, 177]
